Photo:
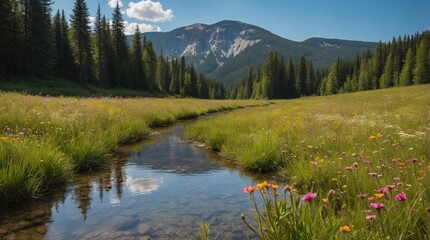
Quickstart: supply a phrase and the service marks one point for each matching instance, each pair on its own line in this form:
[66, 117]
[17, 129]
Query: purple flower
[370, 217]
[362, 196]
[377, 206]
[401, 197]
[309, 196]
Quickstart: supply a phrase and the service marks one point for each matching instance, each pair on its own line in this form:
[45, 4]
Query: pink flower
[382, 190]
[401, 197]
[314, 163]
[362, 196]
[309, 196]
[412, 160]
[377, 206]
[249, 189]
[370, 217]
[348, 168]
[367, 211]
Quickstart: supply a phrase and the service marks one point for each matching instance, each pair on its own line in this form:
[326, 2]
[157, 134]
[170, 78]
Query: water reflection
[143, 185]
[161, 188]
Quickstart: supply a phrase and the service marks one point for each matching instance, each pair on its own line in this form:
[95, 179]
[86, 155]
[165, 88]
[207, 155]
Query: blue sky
[365, 20]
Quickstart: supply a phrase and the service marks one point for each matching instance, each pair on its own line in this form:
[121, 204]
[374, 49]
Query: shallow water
[161, 188]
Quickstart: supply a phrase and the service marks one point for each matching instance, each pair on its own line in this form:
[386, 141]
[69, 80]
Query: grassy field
[357, 165]
[43, 140]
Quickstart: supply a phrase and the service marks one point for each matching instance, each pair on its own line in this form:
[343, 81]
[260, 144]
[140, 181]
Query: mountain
[226, 50]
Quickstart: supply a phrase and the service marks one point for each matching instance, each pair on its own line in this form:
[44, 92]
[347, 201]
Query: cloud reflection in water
[143, 185]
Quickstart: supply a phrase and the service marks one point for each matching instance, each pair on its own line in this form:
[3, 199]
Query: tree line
[400, 62]
[34, 44]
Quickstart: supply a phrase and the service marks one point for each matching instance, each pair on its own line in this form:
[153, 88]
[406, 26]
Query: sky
[298, 20]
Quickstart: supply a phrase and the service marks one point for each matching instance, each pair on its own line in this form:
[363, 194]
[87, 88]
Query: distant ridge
[227, 49]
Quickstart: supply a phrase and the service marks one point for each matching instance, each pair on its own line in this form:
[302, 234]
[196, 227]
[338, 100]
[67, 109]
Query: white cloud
[149, 11]
[92, 20]
[130, 28]
[112, 3]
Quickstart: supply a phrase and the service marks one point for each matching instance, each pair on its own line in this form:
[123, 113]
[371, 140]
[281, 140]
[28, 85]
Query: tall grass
[44, 139]
[354, 145]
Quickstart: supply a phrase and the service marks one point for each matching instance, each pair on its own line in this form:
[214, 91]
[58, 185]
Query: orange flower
[346, 229]
[263, 185]
[379, 195]
[325, 200]
[275, 186]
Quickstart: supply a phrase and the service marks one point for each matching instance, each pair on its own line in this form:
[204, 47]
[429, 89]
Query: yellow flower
[344, 186]
[372, 137]
[379, 195]
[346, 229]
[275, 186]
[334, 179]
[379, 135]
[325, 200]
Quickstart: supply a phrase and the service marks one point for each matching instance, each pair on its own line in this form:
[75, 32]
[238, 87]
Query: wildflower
[372, 137]
[355, 164]
[390, 187]
[379, 135]
[371, 199]
[362, 196]
[379, 195]
[377, 206]
[370, 217]
[275, 186]
[331, 192]
[309, 196]
[263, 185]
[325, 200]
[344, 186]
[367, 211]
[314, 163]
[334, 179]
[382, 190]
[348, 168]
[249, 189]
[346, 229]
[412, 160]
[373, 174]
[401, 197]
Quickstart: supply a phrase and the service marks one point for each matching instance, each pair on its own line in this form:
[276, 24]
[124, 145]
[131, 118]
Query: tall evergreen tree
[40, 51]
[11, 38]
[421, 70]
[300, 83]
[120, 49]
[387, 76]
[81, 41]
[137, 74]
[406, 74]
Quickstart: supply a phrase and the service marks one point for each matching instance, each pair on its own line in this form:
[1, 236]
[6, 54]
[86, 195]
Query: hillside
[227, 49]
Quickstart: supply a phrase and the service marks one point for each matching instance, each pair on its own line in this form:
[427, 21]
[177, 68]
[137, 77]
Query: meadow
[356, 165]
[44, 140]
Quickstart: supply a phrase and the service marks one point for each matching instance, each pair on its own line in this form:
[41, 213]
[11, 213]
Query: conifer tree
[300, 83]
[421, 70]
[81, 41]
[120, 49]
[406, 74]
[137, 74]
[387, 76]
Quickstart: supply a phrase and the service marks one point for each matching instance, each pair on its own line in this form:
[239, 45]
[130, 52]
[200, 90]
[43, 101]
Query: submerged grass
[44, 139]
[355, 151]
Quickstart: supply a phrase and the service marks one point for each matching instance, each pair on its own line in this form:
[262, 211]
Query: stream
[160, 188]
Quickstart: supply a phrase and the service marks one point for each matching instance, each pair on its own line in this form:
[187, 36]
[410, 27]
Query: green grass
[45, 139]
[349, 143]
